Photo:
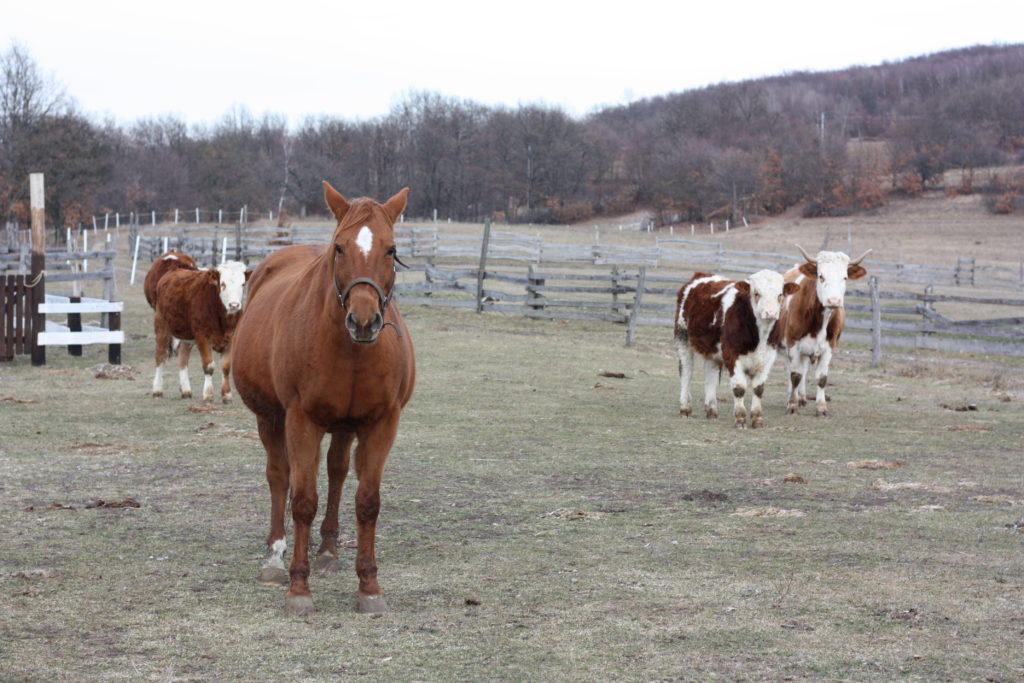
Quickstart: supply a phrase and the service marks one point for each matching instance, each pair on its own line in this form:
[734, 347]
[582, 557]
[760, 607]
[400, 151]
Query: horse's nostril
[378, 323]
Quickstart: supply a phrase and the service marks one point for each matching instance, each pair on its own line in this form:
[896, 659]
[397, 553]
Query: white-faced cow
[813, 318]
[203, 307]
[730, 324]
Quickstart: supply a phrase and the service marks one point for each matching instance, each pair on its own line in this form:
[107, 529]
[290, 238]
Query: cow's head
[766, 290]
[831, 269]
[231, 277]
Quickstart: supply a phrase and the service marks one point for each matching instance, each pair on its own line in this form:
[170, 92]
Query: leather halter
[383, 299]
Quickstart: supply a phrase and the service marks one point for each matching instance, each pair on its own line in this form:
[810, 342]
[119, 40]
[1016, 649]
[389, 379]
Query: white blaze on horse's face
[832, 274]
[364, 240]
[232, 285]
[766, 294]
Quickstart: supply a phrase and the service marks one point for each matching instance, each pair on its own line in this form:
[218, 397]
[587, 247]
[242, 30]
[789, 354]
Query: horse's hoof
[326, 564]
[298, 605]
[225, 399]
[371, 604]
[274, 576]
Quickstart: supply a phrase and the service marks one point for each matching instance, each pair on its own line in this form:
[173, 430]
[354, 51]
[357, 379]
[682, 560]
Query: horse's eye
[392, 251]
[337, 249]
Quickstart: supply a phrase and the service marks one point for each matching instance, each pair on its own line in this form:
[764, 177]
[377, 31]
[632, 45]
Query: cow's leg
[302, 439]
[757, 383]
[738, 384]
[225, 369]
[710, 389]
[821, 379]
[337, 470]
[685, 353]
[272, 571]
[163, 341]
[206, 356]
[805, 369]
[371, 452]
[184, 350]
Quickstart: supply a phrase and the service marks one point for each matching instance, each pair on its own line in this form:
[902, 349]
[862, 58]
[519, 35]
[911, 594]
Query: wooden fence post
[876, 323]
[641, 283]
[534, 299]
[615, 288]
[38, 274]
[74, 319]
[483, 264]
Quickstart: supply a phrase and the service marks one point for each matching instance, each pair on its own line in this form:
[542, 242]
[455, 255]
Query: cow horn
[809, 259]
[857, 262]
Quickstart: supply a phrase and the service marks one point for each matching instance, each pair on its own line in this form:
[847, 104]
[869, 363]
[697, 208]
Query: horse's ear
[396, 205]
[337, 204]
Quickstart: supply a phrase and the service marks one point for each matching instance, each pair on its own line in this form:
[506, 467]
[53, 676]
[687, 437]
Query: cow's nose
[834, 302]
[770, 315]
[234, 306]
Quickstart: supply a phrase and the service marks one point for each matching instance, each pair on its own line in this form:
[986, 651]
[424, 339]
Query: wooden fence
[636, 297]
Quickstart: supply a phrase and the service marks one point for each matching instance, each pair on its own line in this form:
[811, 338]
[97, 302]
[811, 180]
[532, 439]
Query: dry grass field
[540, 520]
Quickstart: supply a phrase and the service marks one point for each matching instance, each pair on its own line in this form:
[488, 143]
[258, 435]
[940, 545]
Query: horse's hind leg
[337, 469]
[272, 571]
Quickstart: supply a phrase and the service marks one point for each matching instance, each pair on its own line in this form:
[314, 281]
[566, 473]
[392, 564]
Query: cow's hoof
[274, 576]
[741, 424]
[791, 410]
[821, 412]
[757, 423]
[298, 605]
[803, 402]
[711, 413]
[158, 394]
[186, 394]
[686, 412]
[326, 563]
[371, 604]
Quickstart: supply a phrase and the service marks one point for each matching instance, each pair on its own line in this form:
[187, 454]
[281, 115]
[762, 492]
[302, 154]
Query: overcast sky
[197, 60]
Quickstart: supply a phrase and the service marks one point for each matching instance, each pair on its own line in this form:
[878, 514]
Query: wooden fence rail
[895, 319]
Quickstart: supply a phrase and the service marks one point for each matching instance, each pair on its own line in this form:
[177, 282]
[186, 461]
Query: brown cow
[200, 306]
[730, 324]
[813, 318]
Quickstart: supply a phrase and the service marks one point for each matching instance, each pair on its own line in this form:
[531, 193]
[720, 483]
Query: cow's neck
[826, 316]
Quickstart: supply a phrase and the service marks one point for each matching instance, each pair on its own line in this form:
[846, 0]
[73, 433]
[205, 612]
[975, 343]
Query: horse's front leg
[337, 469]
[371, 453]
[271, 429]
[303, 443]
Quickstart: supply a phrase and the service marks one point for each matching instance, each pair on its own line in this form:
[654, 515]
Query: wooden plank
[84, 307]
[70, 338]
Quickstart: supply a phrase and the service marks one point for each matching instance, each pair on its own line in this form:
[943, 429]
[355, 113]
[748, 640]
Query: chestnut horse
[323, 349]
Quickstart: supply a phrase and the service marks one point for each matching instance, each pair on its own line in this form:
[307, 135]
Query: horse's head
[363, 258]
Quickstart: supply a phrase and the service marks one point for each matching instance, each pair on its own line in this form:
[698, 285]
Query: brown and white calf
[812, 320]
[730, 324]
[203, 307]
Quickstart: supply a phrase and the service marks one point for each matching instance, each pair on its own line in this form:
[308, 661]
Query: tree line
[833, 142]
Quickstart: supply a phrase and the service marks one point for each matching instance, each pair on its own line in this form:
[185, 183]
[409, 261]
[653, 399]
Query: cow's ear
[213, 275]
[743, 287]
[790, 288]
[856, 272]
[809, 269]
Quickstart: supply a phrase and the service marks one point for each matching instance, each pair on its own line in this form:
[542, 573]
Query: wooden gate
[17, 303]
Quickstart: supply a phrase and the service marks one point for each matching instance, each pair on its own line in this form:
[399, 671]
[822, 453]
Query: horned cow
[731, 324]
[812, 320]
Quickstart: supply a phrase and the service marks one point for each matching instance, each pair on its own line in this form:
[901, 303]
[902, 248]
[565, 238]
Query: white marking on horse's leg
[275, 555]
[364, 240]
[158, 381]
[208, 382]
[710, 388]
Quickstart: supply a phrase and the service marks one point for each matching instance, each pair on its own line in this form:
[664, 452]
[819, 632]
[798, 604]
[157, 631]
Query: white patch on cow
[158, 380]
[232, 285]
[170, 257]
[275, 558]
[364, 240]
